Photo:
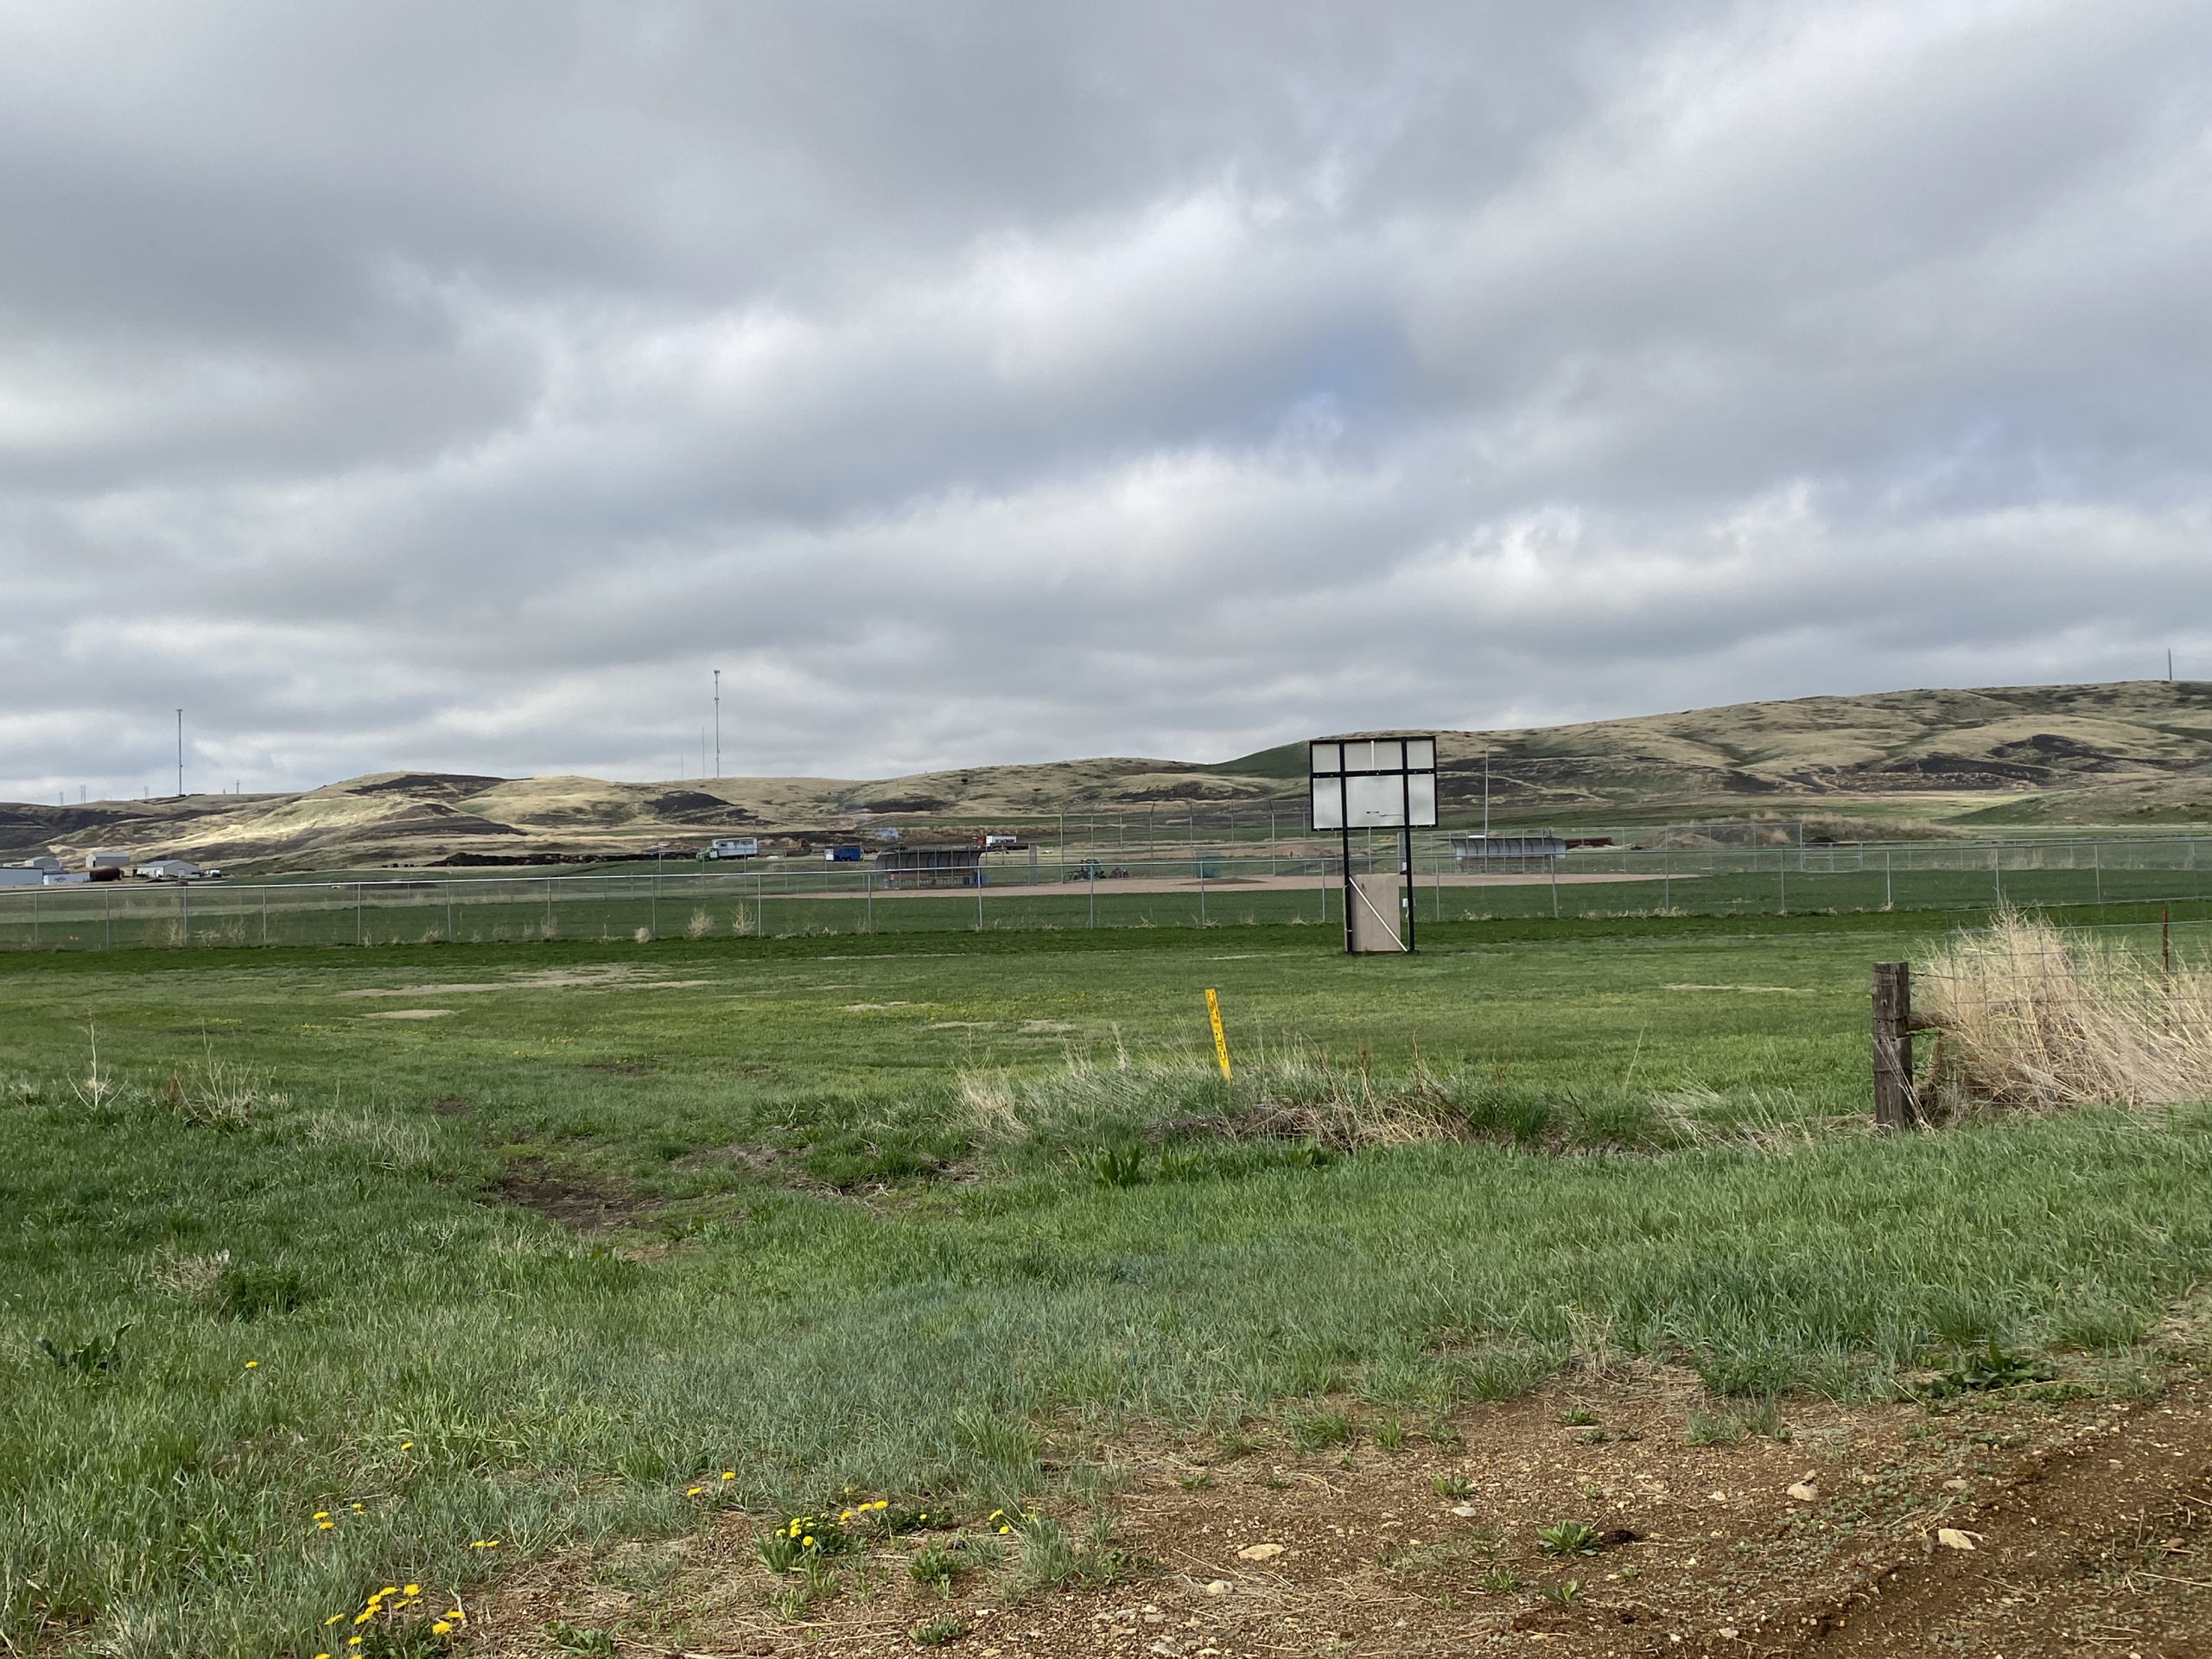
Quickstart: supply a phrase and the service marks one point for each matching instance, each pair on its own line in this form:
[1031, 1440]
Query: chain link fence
[1258, 876]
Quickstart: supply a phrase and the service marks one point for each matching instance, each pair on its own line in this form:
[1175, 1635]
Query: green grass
[323, 1303]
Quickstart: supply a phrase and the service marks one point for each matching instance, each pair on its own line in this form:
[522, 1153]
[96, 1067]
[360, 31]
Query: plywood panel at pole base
[1376, 920]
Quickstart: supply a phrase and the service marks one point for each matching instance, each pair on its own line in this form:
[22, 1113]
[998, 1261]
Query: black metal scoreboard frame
[1374, 783]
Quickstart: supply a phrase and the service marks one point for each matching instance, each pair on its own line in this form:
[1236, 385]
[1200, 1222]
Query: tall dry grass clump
[2030, 1016]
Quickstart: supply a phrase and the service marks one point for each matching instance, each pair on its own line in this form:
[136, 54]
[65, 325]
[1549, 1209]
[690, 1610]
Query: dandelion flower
[693, 1492]
[322, 1514]
[407, 1446]
[388, 1590]
[414, 1590]
[333, 1619]
[324, 1526]
[729, 1474]
[440, 1628]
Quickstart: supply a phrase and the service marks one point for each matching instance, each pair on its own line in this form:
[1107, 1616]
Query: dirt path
[2087, 1518]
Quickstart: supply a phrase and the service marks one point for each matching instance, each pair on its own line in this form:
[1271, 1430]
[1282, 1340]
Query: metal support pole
[107, 918]
[357, 913]
[1889, 900]
[184, 905]
[447, 886]
[1406, 879]
[1348, 894]
[265, 918]
[867, 886]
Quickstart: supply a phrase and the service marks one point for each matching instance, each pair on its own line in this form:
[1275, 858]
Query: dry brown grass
[1287, 1095]
[2031, 1016]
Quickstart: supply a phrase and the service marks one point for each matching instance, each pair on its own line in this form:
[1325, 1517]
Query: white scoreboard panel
[1383, 783]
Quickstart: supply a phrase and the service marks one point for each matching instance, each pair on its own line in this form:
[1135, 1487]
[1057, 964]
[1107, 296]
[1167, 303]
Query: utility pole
[718, 722]
[179, 754]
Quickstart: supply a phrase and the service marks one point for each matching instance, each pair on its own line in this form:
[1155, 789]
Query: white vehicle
[993, 843]
[741, 846]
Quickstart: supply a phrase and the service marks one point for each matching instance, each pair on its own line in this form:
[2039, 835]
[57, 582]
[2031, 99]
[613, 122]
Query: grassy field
[449, 1244]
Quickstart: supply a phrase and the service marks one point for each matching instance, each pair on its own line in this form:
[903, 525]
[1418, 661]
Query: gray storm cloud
[457, 387]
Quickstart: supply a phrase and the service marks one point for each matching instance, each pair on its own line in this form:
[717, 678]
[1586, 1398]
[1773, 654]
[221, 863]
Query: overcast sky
[457, 385]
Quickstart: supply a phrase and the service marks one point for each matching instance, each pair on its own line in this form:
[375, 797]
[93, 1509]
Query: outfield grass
[839, 1284]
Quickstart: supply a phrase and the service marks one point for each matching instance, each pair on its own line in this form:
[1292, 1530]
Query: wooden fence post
[1894, 1106]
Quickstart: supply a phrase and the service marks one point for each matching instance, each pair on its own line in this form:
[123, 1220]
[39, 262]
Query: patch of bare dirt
[2087, 1519]
[450, 1106]
[578, 1203]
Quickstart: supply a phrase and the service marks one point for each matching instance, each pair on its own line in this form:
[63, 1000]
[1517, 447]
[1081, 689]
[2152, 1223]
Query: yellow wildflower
[729, 1474]
[414, 1589]
[250, 1364]
[440, 1628]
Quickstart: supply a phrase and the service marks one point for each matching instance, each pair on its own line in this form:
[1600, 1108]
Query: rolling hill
[2134, 753]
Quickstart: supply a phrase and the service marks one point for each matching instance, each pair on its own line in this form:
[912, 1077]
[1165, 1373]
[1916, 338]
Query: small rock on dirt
[1801, 1493]
[1954, 1485]
[1259, 1552]
[1951, 1538]
[1465, 1511]
[1220, 1587]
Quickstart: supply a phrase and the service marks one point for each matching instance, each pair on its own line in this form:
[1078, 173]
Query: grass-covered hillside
[2131, 753]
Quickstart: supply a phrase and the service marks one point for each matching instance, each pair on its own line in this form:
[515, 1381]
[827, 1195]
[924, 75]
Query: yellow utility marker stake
[1220, 1042]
